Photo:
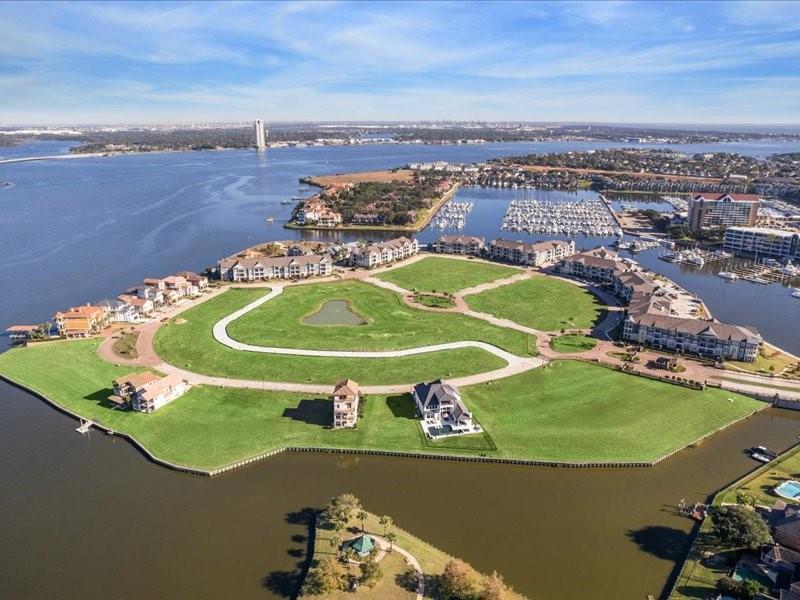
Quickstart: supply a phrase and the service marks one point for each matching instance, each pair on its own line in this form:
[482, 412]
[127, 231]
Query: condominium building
[723, 210]
[384, 253]
[763, 241]
[81, 321]
[650, 316]
[260, 134]
[709, 339]
[458, 244]
[345, 404]
[537, 255]
[281, 267]
[599, 264]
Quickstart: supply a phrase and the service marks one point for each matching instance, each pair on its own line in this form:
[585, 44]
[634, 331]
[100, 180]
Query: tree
[43, 330]
[745, 499]
[362, 516]
[739, 526]
[340, 509]
[386, 522]
[459, 581]
[371, 572]
[328, 576]
[336, 540]
[391, 537]
[494, 588]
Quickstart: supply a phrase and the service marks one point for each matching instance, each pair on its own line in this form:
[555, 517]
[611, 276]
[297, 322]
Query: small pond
[335, 312]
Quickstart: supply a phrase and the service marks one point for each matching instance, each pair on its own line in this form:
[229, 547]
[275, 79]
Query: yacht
[695, 259]
[730, 275]
[796, 293]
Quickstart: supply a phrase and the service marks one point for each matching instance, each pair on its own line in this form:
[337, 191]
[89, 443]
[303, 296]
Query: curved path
[221, 335]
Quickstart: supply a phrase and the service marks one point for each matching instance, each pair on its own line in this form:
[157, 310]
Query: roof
[778, 552]
[460, 239]
[363, 544]
[394, 244]
[434, 393]
[137, 380]
[733, 197]
[85, 311]
[722, 331]
[346, 387]
[153, 389]
[22, 328]
[273, 262]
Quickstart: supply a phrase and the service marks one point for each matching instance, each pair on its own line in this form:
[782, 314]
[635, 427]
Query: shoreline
[261, 456]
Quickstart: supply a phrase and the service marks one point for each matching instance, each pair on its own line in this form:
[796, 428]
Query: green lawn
[391, 324]
[576, 411]
[572, 343]
[571, 411]
[445, 274]
[189, 343]
[544, 303]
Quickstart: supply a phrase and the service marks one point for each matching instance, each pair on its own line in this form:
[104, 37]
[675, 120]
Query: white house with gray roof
[439, 405]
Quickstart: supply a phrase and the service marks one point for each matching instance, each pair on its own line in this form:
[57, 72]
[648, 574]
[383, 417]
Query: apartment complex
[536, 255]
[384, 253]
[147, 392]
[81, 321]
[650, 318]
[723, 210]
[458, 244]
[763, 241]
[280, 267]
[345, 404]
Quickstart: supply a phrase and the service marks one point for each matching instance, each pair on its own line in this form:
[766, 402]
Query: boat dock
[84, 427]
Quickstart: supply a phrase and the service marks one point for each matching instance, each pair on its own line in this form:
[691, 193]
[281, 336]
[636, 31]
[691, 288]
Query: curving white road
[221, 335]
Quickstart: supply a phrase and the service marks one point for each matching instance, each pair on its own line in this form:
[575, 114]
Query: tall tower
[261, 138]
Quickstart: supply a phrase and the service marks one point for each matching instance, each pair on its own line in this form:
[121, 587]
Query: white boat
[728, 275]
[796, 293]
[696, 260]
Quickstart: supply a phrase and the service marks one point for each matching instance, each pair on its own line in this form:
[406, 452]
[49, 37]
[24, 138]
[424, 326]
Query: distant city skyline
[633, 62]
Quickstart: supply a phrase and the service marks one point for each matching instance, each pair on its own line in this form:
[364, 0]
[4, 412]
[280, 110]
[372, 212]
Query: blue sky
[729, 62]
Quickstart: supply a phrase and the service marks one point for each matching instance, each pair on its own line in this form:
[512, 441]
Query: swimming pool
[788, 489]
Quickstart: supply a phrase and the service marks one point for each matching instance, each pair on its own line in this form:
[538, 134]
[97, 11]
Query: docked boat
[622, 245]
[761, 454]
[670, 256]
[756, 279]
[796, 293]
[696, 260]
[288, 201]
[729, 275]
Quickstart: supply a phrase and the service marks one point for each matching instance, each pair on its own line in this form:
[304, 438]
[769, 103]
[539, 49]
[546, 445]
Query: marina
[587, 217]
[452, 215]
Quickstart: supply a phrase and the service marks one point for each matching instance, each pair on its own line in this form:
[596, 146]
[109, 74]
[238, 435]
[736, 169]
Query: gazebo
[361, 545]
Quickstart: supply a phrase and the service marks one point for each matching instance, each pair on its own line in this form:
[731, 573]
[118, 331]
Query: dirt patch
[377, 176]
[180, 321]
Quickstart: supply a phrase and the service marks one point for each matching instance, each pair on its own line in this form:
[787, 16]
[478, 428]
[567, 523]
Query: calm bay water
[89, 516]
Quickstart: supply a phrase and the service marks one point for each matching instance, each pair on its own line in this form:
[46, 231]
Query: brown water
[88, 516]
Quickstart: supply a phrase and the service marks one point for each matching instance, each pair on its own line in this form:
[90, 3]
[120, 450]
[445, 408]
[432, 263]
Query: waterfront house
[153, 292]
[125, 387]
[384, 253]
[458, 244]
[120, 311]
[784, 520]
[345, 404]
[147, 392]
[297, 251]
[367, 219]
[144, 307]
[81, 321]
[537, 255]
[199, 281]
[181, 286]
[281, 267]
[439, 405]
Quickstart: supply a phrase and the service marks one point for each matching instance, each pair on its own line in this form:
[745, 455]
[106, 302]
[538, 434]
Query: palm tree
[361, 516]
[391, 537]
[336, 541]
[386, 522]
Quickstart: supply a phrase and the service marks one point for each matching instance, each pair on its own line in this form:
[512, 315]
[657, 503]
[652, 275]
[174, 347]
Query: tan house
[345, 404]
[147, 392]
[81, 321]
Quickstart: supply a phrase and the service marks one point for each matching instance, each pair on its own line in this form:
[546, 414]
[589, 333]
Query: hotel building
[723, 210]
[762, 241]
